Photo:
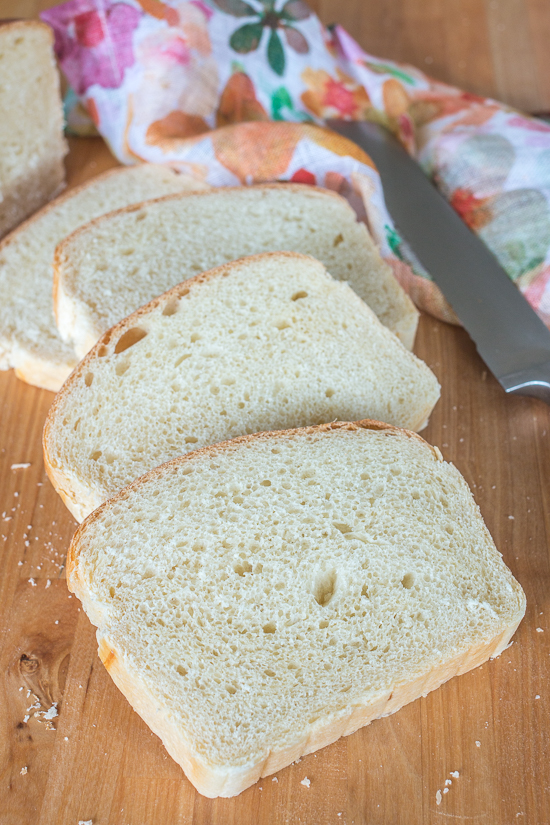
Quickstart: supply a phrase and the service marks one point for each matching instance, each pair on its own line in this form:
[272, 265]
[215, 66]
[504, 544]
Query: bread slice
[258, 599]
[107, 269]
[265, 343]
[32, 146]
[29, 340]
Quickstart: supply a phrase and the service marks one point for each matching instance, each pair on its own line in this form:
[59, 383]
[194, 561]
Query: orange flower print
[330, 97]
[238, 102]
[169, 131]
[396, 100]
[474, 211]
[256, 152]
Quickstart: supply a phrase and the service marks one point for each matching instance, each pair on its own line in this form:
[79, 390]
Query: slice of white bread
[106, 270]
[265, 343]
[258, 599]
[32, 146]
[29, 340]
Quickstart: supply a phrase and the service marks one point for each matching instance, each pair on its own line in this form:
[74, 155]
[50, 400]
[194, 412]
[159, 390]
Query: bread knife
[508, 334]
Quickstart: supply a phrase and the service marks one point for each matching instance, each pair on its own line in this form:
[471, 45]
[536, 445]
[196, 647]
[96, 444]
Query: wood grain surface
[483, 737]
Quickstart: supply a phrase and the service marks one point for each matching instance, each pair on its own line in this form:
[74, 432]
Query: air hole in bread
[269, 672]
[325, 587]
[182, 358]
[121, 368]
[171, 306]
[141, 216]
[88, 378]
[181, 670]
[298, 295]
[95, 455]
[242, 567]
[102, 351]
[408, 581]
[329, 393]
[230, 689]
[270, 627]
[338, 239]
[195, 337]
[190, 439]
[127, 252]
[282, 325]
[129, 338]
[266, 483]
[343, 528]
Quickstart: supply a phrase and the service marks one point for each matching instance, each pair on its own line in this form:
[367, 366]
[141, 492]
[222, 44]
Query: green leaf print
[383, 68]
[275, 53]
[237, 8]
[247, 38]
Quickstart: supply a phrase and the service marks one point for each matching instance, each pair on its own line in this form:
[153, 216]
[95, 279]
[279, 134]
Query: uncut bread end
[291, 586]
[265, 343]
[31, 122]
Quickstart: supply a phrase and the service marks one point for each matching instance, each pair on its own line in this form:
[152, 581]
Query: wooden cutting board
[476, 750]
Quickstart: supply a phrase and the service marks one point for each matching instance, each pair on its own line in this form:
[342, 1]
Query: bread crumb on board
[305, 781]
[24, 465]
[23, 770]
[438, 797]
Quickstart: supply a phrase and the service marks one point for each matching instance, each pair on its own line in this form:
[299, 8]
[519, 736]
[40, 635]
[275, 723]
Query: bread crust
[213, 449]
[117, 170]
[405, 328]
[312, 191]
[211, 780]
[65, 485]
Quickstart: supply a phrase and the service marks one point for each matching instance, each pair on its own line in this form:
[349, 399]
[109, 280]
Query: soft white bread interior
[265, 343]
[258, 599]
[29, 340]
[111, 267]
[32, 146]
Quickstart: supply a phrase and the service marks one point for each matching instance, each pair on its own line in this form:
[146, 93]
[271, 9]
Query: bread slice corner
[258, 599]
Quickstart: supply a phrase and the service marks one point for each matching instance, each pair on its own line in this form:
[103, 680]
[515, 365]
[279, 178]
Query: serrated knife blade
[508, 334]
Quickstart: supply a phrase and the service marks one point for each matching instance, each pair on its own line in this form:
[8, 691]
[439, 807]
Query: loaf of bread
[32, 146]
[265, 343]
[258, 599]
[29, 341]
[107, 269]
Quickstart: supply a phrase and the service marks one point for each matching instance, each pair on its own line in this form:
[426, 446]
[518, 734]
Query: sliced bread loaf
[265, 343]
[32, 146]
[106, 270]
[29, 340]
[258, 599]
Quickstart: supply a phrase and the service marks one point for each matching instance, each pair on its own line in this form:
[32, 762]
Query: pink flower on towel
[93, 41]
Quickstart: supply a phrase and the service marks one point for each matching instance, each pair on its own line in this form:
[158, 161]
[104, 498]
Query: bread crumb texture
[114, 265]
[254, 593]
[267, 343]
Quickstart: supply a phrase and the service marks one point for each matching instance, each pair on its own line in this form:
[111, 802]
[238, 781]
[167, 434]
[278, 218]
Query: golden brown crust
[313, 191]
[212, 782]
[19, 23]
[214, 449]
